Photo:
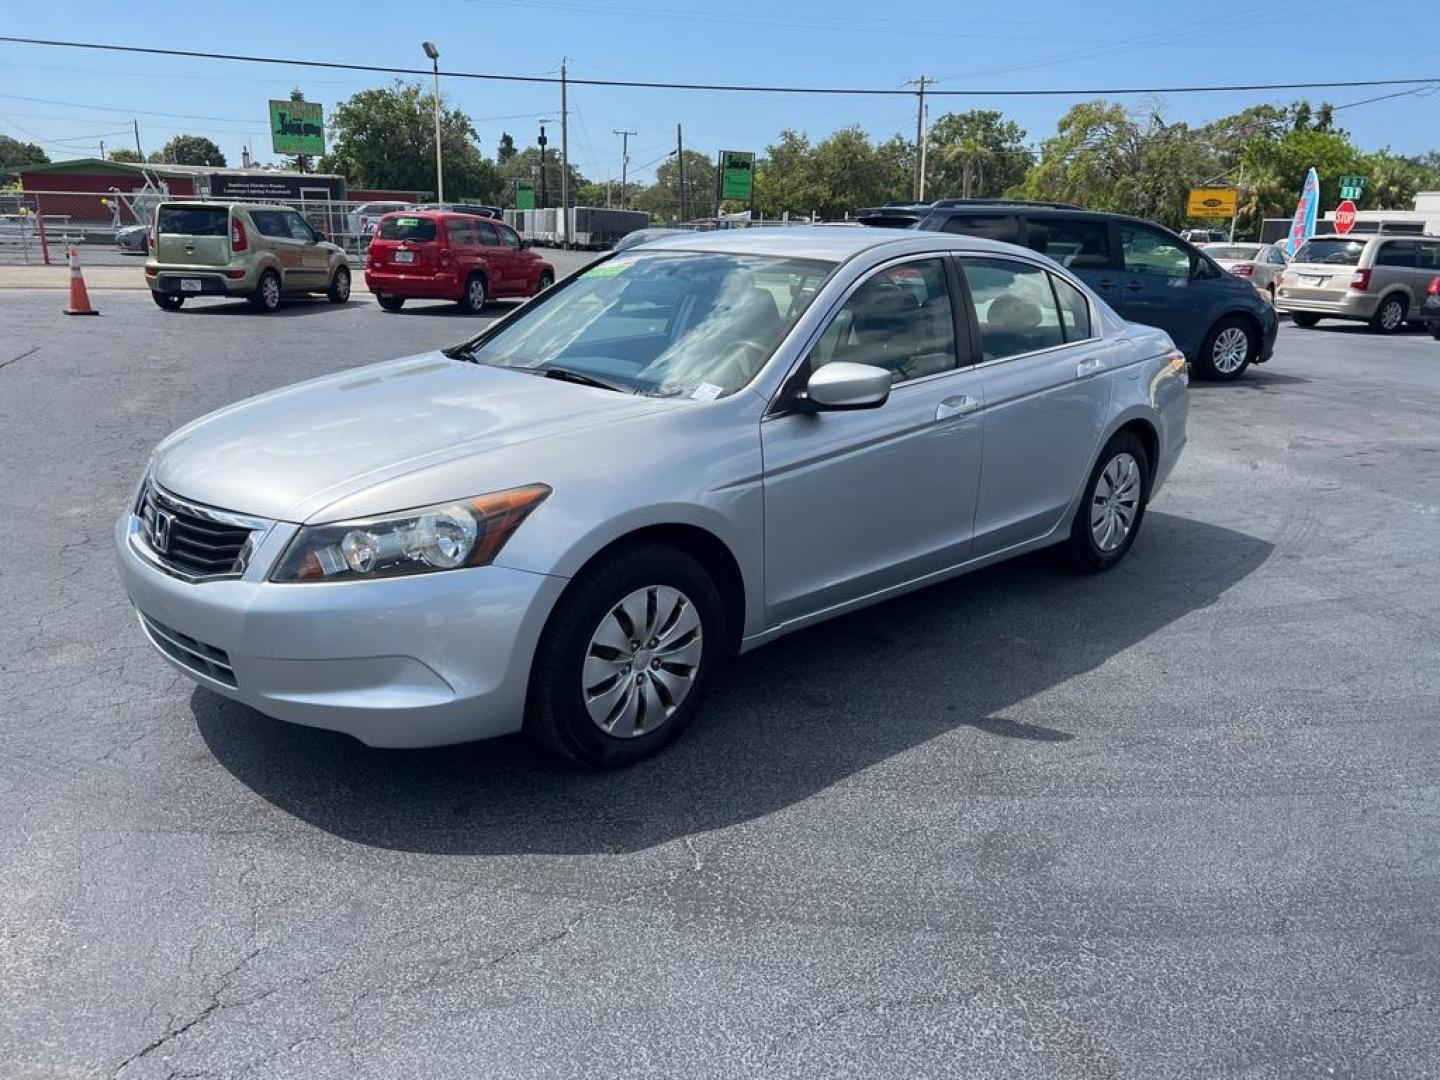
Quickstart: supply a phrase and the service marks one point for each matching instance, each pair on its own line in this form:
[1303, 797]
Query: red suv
[442, 256]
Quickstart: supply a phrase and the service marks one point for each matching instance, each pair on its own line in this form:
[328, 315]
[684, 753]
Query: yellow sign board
[1212, 202]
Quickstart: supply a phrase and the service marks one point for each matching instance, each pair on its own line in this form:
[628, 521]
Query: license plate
[405, 256]
[190, 284]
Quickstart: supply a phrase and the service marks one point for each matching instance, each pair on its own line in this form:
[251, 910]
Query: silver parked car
[681, 453]
[1259, 264]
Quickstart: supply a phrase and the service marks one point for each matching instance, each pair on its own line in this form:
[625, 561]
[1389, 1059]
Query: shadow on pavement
[784, 722]
[1255, 379]
[287, 309]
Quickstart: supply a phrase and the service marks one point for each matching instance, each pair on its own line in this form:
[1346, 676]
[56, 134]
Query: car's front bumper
[424, 660]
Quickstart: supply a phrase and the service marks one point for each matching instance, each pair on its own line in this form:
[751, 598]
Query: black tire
[339, 291]
[167, 301]
[473, 298]
[556, 713]
[1083, 549]
[1270, 293]
[1389, 317]
[1305, 319]
[1220, 342]
[1435, 332]
[388, 302]
[266, 296]
[544, 282]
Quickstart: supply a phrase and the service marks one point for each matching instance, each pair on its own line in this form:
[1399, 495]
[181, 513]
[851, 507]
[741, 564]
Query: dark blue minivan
[1142, 270]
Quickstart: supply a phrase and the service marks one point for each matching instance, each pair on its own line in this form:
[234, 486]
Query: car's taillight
[1360, 281]
[1434, 289]
[238, 240]
[1243, 269]
[154, 233]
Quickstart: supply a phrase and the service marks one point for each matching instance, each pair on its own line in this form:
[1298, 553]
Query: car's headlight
[446, 536]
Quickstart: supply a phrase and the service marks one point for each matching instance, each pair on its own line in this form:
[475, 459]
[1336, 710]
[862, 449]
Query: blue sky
[77, 98]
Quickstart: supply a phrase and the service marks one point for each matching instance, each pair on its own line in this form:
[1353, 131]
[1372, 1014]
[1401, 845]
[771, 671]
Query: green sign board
[737, 175]
[524, 195]
[1352, 187]
[297, 127]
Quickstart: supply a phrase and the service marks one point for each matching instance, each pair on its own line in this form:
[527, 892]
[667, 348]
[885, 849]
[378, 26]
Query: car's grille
[189, 653]
[194, 542]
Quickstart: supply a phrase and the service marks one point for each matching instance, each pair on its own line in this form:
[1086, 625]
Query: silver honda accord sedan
[568, 523]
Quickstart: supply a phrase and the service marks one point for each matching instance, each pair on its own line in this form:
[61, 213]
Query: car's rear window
[1340, 252]
[194, 220]
[1233, 251]
[407, 228]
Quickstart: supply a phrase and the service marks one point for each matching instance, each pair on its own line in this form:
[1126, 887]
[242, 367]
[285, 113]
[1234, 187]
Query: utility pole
[564, 153]
[680, 167]
[624, 160]
[102, 153]
[920, 85]
[137, 139]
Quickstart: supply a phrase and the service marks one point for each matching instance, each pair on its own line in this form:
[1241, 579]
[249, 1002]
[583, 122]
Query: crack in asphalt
[22, 356]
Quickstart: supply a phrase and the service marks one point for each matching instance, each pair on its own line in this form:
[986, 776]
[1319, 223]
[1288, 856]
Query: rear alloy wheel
[473, 299]
[168, 301]
[627, 657]
[1113, 507]
[388, 302]
[1228, 350]
[266, 296]
[1389, 316]
[1304, 319]
[339, 291]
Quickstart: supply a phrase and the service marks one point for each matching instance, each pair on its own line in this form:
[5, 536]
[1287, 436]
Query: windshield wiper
[584, 378]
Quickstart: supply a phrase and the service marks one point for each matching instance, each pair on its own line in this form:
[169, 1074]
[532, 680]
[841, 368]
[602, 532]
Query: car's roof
[828, 242]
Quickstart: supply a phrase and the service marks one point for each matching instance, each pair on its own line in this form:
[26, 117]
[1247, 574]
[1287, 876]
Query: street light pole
[434, 54]
[544, 188]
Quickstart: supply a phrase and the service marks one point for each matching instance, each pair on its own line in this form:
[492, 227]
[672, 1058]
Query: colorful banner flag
[1302, 226]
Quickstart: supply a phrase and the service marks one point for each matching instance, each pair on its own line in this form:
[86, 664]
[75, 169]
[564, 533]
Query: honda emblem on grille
[160, 530]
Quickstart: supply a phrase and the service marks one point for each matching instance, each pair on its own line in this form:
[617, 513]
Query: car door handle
[959, 405]
[1091, 365]
[1104, 283]
[1134, 286]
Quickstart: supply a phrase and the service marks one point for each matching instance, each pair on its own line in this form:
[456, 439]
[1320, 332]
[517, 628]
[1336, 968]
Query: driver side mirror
[842, 386]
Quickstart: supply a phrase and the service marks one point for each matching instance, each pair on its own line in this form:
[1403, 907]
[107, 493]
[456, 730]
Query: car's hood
[289, 453]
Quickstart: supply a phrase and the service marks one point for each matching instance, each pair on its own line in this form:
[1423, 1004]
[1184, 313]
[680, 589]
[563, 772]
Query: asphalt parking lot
[1179, 820]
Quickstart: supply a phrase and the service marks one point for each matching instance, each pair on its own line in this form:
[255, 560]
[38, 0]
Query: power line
[1111, 91]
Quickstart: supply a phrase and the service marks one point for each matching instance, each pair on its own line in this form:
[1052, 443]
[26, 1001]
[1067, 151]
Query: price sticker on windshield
[609, 269]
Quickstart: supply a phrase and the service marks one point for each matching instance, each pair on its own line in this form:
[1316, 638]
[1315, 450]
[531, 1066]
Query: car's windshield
[670, 323]
[1342, 252]
[1232, 251]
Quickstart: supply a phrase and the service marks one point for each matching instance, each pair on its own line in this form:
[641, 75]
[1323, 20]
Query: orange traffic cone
[79, 298]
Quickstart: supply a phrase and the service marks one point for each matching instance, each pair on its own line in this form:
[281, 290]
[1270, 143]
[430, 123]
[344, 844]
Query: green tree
[835, 177]
[975, 154]
[506, 148]
[15, 154]
[126, 155]
[189, 150]
[299, 162]
[385, 138]
[662, 198]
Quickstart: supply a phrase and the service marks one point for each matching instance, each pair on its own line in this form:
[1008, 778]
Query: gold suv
[253, 250]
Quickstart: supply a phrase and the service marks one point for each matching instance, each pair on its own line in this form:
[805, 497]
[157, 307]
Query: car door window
[1074, 310]
[297, 226]
[487, 233]
[900, 319]
[271, 223]
[508, 237]
[1398, 253]
[461, 232]
[1150, 251]
[1076, 243]
[1427, 256]
[1004, 227]
[1014, 307]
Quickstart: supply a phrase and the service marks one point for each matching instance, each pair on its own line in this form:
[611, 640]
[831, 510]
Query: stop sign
[1345, 217]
